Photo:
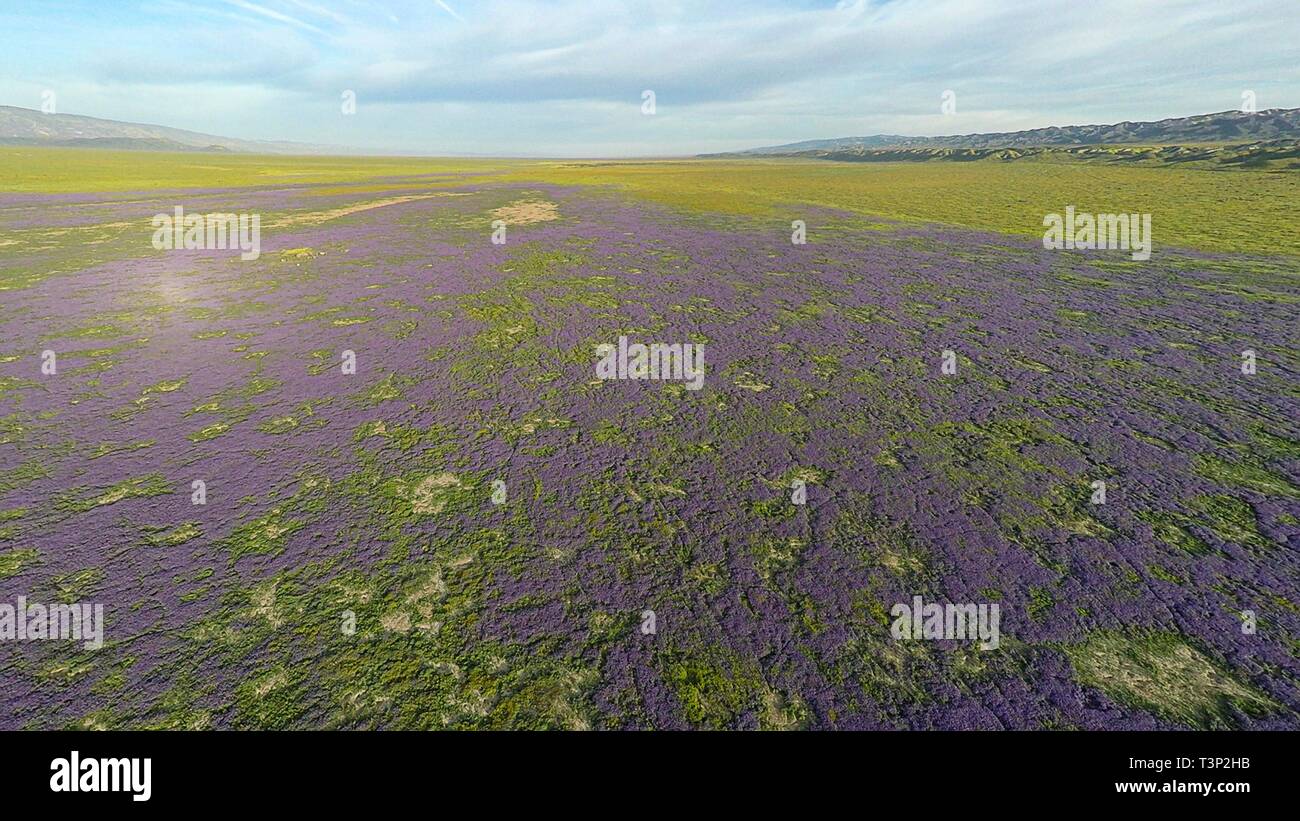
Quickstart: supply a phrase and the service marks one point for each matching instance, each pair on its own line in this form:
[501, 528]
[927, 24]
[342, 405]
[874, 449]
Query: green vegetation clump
[1174, 529]
[1163, 673]
[264, 535]
[1245, 475]
[13, 562]
[715, 687]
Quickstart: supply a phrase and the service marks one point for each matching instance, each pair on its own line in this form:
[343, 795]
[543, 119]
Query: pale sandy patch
[523, 212]
[266, 685]
[430, 496]
[264, 604]
[317, 217]
[425, 597]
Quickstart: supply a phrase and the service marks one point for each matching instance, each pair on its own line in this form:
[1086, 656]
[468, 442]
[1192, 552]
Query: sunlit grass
[1229, 211]
[1241, 211]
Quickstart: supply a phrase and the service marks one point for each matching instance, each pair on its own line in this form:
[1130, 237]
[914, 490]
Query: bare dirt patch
[318, 217]
[523, 212]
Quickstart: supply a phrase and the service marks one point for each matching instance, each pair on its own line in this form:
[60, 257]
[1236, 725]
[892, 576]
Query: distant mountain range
[1226, 138]
[1223, 127]
[25, 126]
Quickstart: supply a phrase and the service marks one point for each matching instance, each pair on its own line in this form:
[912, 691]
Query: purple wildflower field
[473, 530]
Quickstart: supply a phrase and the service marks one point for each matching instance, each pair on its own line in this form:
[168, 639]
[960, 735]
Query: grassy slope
[1234, 211]
[76, 170]
[1231, 211]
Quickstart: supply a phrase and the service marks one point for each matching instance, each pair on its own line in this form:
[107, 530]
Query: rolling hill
[25, 126]
[1225, 127]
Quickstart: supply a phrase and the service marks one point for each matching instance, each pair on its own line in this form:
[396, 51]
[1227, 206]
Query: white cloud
[725, 75]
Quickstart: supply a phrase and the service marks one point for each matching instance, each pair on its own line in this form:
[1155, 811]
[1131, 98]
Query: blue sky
[565, 78]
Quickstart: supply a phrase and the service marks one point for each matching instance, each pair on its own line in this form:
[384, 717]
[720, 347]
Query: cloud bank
[566, 78]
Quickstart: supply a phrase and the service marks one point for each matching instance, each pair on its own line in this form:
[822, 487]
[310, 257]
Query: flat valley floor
[473, 531]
